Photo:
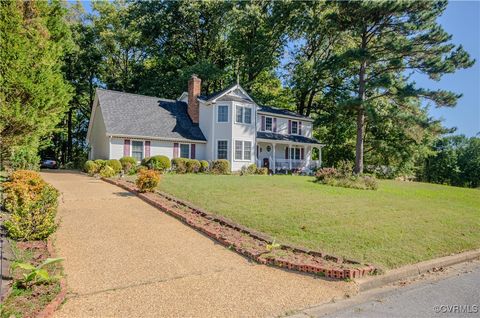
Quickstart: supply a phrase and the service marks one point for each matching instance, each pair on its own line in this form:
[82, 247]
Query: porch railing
[292, 164]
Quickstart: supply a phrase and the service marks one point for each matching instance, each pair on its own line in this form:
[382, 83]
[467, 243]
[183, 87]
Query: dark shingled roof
[280, 137]
[279, 111]
[139, 115]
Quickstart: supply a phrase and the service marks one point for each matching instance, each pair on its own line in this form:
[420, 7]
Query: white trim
[237, 86]
[92, 117]
[285, 116]
[189, 150]
[157, 138]
[234, 146]
[298, 127]
[184, 94]
[217, 112]
[131, 147]
[243, 114]
[271, 130]
[216, 148]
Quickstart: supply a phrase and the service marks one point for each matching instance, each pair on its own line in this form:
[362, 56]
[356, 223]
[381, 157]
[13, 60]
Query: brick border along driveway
[125, 258]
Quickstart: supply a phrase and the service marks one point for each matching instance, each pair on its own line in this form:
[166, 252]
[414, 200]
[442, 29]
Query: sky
[461, 19]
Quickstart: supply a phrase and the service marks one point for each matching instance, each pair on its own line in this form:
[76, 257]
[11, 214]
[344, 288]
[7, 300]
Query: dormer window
[294, 127]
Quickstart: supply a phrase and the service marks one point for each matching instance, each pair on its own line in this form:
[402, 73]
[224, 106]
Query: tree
[389, 39]
[34, 37]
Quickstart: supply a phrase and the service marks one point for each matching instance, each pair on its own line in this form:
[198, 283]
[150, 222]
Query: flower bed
[250, 243]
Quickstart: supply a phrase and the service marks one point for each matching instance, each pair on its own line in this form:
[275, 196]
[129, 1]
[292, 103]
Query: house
[225, 125]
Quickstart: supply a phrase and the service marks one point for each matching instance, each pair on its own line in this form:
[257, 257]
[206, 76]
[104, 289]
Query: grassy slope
[400, 223]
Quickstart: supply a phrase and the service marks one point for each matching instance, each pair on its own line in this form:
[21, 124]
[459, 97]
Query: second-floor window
[295, 127]
[268, 123]
[244, 115]
[222, 114]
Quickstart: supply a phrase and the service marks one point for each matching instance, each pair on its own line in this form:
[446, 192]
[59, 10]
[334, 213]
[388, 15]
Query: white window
[137, 150]
[222, 149]
[185, 151]
[238, 150]
[243, 150]
[295, 127]
[295, 153]
[222, 114]
[243, 115]
[268, 123]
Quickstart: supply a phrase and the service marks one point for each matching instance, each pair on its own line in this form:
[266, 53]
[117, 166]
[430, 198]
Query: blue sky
[462, 20]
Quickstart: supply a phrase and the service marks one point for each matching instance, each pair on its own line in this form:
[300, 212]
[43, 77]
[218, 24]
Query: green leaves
[35, 275]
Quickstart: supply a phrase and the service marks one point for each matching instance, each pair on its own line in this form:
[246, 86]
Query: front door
[266, 163]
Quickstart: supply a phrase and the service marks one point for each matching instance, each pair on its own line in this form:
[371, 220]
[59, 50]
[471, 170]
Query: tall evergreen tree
[391, 38]
[34, 95]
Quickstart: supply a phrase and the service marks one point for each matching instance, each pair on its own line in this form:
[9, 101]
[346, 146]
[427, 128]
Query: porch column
[290, 157]
[320, 157]
[274, 163]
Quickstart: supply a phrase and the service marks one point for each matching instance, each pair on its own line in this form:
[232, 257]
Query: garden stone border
[358, 270]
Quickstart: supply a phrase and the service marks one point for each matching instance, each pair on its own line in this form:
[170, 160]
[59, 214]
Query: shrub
[159, 163]
[128, 164]
[193, 166]
[34, 275]
[325, 173]
[90, 167]
[262, 171]
[204, 165]
[145, 161]
[252, 169]
[370, 182]
[220, 166]
[147, 180]
[107, 172]
[179, 165]
[345, 168]
[100, 163]
[115, 165]
[32, 205]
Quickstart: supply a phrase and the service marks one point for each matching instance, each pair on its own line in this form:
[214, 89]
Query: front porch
[285, 157]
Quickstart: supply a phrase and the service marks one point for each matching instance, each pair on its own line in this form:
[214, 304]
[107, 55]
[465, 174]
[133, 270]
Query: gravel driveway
[124, 258]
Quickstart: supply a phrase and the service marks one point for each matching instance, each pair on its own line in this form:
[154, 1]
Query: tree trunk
[69, 136]
[360, 113]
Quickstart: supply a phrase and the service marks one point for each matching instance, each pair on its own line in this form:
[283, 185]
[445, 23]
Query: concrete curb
[408, 271]
[49, 309]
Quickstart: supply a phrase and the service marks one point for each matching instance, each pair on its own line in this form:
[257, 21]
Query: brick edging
[49, 309]
[332, 272]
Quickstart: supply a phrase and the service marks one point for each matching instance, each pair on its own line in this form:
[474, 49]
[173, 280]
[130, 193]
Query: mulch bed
[256, 246]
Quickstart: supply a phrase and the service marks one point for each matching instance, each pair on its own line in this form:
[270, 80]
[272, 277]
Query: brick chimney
[194, 87]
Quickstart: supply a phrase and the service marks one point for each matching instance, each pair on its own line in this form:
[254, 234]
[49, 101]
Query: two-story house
[225, 125]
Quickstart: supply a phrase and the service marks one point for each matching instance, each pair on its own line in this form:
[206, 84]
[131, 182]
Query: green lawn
[398, 224]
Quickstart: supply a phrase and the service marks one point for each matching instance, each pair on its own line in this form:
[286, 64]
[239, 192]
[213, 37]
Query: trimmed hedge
[220, 166]
[204, 166]
[90, 167]
[115, 165]
[159, 163]
[179, 165]
[193, 165]
[107, 172]
[128, 164]
[32, 206]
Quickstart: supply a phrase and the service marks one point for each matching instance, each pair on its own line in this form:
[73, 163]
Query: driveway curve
[124, 258]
